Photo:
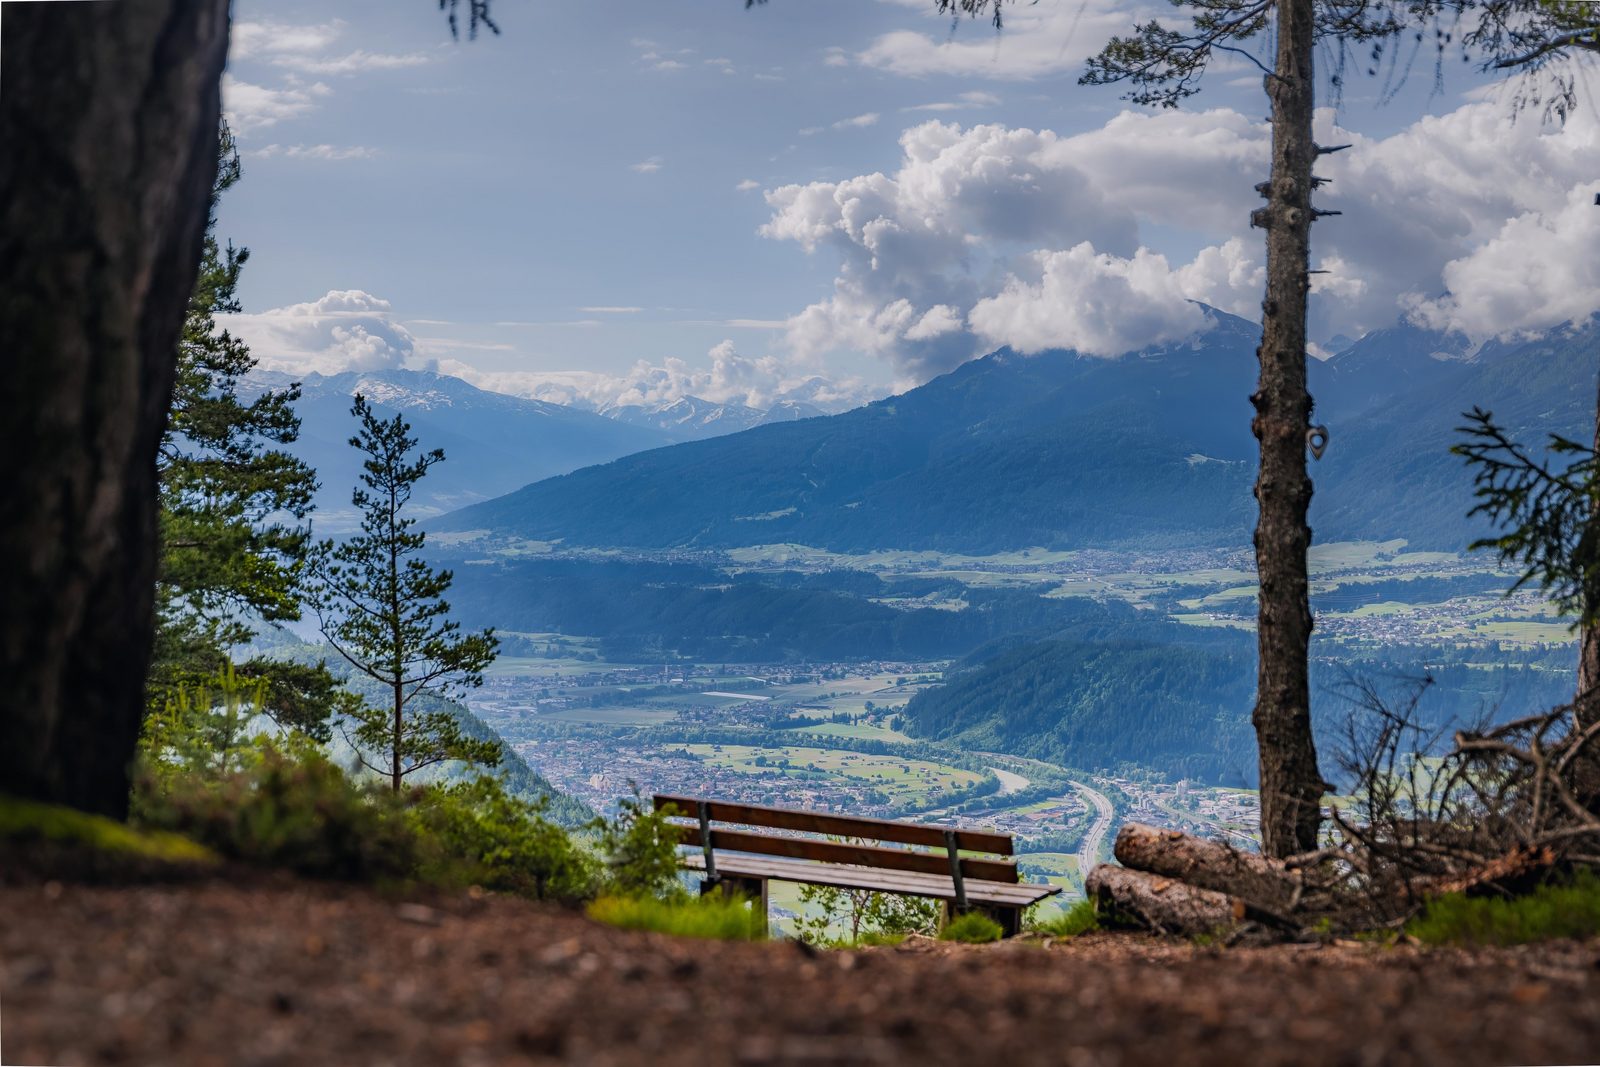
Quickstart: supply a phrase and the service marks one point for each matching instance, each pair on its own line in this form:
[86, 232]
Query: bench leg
[752, 889]
[1010, 919]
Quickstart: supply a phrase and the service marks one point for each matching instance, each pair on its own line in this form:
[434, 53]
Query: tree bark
[1291, 786]
[1586, 703]
[1165, 905]
[1209, 865]
[108, 118]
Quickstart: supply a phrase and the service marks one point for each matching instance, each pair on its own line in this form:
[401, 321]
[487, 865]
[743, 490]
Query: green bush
[1078, 919]
[712, 916]
[641, 851]
[294, 811]
[973, 928]
[485, 836]
[1570, 909]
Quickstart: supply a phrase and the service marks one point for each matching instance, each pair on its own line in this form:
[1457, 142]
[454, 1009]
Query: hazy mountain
[493, 443]
[1063, 450]
[692, 418]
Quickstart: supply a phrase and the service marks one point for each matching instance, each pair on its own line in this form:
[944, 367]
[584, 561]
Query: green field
[854, 729]
[900, 779]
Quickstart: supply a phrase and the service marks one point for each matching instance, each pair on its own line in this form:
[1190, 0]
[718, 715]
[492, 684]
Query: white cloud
[332, 153]
[648, 166]
[858, 122]
[965, 101]
[836, 57]
[343, 330]
[1098, 304]
[253, 107]
[355, 62]
[1035, 239]
[1039, 40]
[747, 185]
[670, 64]
[611, 309]
[253, 39]
[1539, 271]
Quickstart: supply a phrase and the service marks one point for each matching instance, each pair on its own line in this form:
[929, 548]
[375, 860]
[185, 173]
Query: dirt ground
[297, 973]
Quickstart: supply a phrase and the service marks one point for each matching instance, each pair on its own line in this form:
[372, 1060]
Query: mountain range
[693, 418]
[1064, 450]
[493, 443]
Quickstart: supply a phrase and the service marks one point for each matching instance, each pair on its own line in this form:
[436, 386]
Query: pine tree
[382, 609]
[234, 505]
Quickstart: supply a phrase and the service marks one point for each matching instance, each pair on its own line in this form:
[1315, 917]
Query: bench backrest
[895, 859]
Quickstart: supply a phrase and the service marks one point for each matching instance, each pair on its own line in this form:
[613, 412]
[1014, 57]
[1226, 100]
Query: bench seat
[846, 876]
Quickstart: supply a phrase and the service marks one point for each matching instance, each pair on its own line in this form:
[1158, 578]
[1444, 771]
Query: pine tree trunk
[1291, 787]
[108, 118]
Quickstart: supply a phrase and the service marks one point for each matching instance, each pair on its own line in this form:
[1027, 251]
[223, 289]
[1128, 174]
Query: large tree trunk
[1587, 702]
[1291, 787]
[108, 122]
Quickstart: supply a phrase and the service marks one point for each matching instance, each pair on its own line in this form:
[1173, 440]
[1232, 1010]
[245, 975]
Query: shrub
[1570, 909]
[641, 851]
[973, 928]
[1078, 919]
[487, 837]
[296, 811]
[712, 916]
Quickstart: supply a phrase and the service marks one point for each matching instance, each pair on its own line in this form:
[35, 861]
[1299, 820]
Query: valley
[845, 734]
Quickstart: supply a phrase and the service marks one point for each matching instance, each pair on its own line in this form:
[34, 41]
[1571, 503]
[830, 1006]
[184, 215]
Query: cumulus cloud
[1098, 304]
[1539, 271]
[747, 185]
[647, 166]
[344, 330]
[990, 235]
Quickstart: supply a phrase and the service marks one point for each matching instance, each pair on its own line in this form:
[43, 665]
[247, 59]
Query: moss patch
[51, 841]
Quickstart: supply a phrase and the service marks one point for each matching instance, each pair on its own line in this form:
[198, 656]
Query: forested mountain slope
[1061, 450]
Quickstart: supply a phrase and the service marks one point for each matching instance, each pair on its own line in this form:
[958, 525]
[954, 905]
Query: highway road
[1094, 840]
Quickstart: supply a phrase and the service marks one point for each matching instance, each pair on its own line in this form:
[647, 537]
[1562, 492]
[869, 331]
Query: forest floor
[286, 972]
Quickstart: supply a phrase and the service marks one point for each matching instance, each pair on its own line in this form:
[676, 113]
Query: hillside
[1059, 450]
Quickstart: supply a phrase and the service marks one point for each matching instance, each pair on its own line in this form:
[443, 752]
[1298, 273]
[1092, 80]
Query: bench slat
[903, 833]
[844, 876]
[894, 859]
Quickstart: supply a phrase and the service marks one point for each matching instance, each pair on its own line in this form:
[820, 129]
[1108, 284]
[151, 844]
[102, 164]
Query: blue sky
[650, 197]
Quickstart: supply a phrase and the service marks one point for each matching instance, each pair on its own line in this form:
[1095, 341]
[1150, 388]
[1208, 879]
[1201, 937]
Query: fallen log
[1165, 905]
[1213, 865]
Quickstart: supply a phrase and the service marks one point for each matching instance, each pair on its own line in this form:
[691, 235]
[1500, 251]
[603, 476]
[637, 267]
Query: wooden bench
[737, 860]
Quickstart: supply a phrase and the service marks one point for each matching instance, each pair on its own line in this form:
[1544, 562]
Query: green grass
[973, 928]
[1078, 919]
[30, 821]
[714, 917]
[1548, 913]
